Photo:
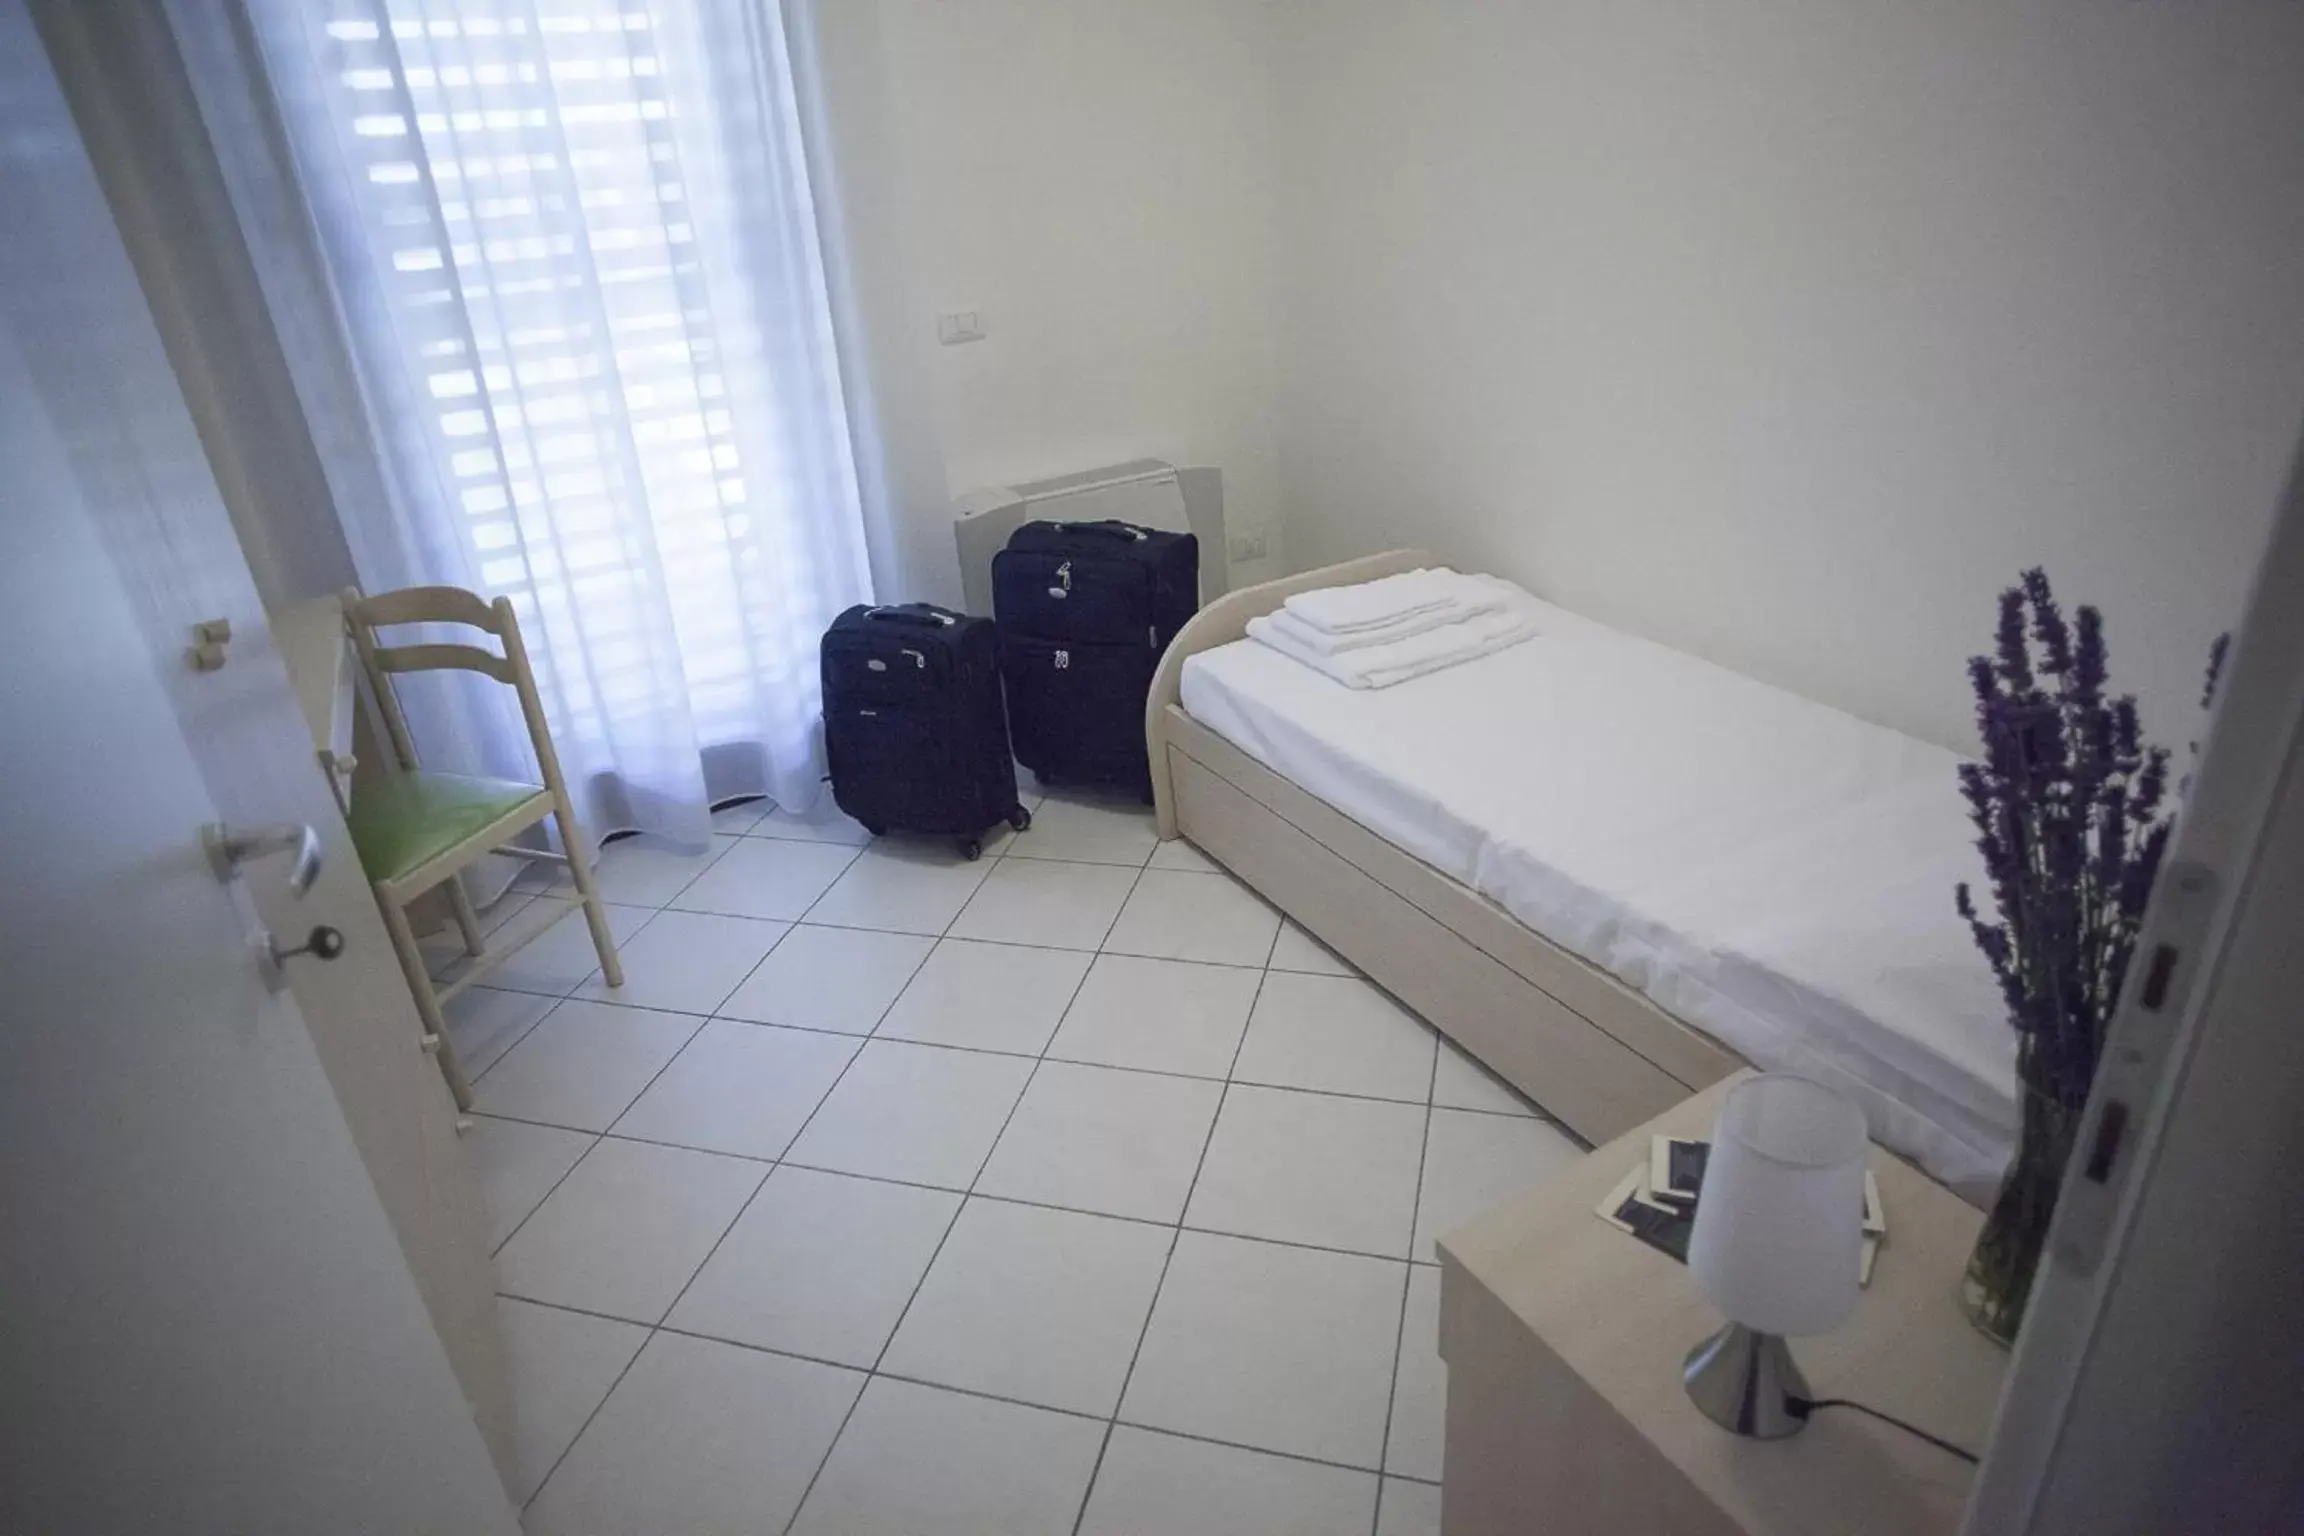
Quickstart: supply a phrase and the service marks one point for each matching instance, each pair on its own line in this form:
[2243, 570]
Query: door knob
[230, 847]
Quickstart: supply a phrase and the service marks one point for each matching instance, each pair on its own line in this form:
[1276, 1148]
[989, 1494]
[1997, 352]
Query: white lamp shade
[1781, 1217]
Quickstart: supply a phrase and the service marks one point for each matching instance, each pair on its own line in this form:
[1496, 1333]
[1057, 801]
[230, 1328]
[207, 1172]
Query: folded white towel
[1389, 599]
[1381, 666]
[1328, 643]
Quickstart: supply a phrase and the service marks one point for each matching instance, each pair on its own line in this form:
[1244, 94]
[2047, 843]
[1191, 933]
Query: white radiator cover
[1147, 492]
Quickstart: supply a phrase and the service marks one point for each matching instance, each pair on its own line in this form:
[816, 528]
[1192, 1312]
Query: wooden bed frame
[1595, 1054]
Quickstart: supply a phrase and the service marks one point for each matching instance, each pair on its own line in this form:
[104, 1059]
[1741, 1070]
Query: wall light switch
[959, 326]
[1249, 546]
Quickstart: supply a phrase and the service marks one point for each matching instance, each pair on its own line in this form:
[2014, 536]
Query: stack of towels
[1383, 632]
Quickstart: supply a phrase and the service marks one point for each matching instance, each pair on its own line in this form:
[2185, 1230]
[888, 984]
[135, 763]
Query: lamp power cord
[1802, 1407]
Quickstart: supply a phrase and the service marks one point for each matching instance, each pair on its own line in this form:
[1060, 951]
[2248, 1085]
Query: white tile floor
[1067, 1191]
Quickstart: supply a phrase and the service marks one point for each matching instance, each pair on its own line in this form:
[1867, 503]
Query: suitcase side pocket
[1087, 596]
[1076, 710]
[888, 764]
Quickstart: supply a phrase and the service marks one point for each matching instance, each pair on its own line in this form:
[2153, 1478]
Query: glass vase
[1998, 1284]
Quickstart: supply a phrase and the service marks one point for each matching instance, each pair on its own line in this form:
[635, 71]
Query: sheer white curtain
[550, 278]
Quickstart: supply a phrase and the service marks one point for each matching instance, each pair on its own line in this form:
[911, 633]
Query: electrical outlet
[962, 326]
[1249, 546]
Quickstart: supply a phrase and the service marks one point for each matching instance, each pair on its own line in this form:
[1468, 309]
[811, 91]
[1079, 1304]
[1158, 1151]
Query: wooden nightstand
[1564, 1339]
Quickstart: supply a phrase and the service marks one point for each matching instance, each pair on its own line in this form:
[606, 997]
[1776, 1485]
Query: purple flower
[2127, 735]
[2088, 656]
[2015, 658]
[1983, 681]
[2066, 802]
[2151, 786]
[2048, 624]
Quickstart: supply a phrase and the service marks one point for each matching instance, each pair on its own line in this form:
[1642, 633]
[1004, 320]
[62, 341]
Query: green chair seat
[408, 819]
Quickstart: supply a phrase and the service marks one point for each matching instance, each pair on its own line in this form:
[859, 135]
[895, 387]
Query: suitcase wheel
[1020, 819]
[971, 848]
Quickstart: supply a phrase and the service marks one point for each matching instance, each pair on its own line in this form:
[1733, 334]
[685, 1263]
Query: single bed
[1610, 870]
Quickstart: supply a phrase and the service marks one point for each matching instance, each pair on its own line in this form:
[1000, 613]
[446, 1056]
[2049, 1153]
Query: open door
[133, 306]
[2158, 1384]
[209, 1323]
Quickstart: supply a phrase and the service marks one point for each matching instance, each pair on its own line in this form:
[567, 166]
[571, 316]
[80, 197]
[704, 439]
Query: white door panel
[209, 1323]
[70, 287]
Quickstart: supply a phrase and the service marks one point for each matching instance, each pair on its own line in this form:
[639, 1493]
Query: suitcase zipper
[1063, 587]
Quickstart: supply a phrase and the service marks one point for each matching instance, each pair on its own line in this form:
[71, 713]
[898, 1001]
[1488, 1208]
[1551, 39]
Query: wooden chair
[415, 828]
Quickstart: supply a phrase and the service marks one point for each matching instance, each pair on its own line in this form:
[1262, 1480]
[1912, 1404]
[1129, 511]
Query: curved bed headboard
[1226, 620]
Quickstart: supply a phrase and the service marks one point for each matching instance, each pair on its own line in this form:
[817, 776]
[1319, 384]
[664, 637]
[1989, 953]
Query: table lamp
[1779, 1226]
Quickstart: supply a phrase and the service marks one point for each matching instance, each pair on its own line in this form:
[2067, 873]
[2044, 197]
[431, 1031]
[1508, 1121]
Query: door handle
[230, 847]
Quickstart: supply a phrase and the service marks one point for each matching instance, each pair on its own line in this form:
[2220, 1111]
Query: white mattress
[1772, 871]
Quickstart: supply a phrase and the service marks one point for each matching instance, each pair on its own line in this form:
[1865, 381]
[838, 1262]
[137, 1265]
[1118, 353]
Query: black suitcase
[1085, 609]
[914, 732]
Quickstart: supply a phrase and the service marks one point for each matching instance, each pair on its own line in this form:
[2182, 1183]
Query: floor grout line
[773, 1164]
[719, 852]
[576, 1439]
[869, 1375]
[1260, 1450]
[811, 921]
[533, 1026]
[833, 1443]
[1152, 1311]
[1177, 1228]
[965, 1194]
[688, 1284]
[950, 1226]
[597, 1138]
[1531, 1113]
[585, 979]
[847, 1418]
[565, 1451]
[994, 1151]
[1400, 1331]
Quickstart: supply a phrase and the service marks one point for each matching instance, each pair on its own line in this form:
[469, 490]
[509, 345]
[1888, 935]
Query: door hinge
[210, 640]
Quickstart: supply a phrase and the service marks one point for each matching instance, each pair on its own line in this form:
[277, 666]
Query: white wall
[858, 178]
[1787, 331]
[1092, 177]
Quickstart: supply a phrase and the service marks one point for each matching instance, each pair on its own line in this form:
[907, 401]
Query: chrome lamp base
[1746, 1381]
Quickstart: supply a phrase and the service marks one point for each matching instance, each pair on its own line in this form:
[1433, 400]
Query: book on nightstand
[1656, 1203]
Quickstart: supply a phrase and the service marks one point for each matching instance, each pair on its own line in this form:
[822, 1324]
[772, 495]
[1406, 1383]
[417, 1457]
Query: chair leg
[427, 1002]
[580, 870]
[467, 920]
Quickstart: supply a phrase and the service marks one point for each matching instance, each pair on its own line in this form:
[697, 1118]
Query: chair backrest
[428, 605]
[363, 616]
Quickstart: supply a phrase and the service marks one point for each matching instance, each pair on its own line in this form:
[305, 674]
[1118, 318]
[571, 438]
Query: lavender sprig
[2066, 802]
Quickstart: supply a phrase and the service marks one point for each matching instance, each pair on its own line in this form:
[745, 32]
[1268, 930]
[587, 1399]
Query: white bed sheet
[1772, 871]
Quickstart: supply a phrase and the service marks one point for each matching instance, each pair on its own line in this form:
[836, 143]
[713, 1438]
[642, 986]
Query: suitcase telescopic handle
[933, 615]
[1110, 530]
